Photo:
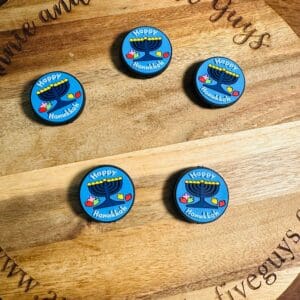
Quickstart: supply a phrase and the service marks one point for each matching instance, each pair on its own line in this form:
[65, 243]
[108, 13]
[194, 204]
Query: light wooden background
[153, 129]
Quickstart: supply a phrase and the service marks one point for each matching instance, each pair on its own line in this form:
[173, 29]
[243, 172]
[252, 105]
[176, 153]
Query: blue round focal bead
[220, 82]
[57, 98]
[107, 194]
[201, 195]
[146, 51]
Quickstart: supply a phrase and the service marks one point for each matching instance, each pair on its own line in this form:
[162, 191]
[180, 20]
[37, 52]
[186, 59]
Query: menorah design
[202, 189]
[106, 188]
[221, 76]
[54, 92]
[146, 45]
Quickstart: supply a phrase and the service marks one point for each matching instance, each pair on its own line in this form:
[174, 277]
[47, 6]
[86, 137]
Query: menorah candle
[57, 98]
[146, 51]
[201, 195]
[220, 81]
[107, 194]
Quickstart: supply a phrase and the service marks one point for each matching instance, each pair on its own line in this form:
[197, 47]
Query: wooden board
[127, 114]
[152, 253]
[289, 10]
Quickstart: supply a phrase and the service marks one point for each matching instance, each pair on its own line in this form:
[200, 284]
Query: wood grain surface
[289, 10]
[153, 129]
[152, 252]
[124, 114]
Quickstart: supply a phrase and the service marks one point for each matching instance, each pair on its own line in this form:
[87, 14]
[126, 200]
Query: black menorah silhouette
[221, 76]
[106, 188]
[56, 92]
[202, 189]
[146, 45]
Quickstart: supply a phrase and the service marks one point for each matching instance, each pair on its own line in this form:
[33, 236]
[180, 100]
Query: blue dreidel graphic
[221, 76]
[55, 92]
[106, 188]
[146, 45]
[202, 190]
